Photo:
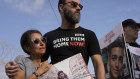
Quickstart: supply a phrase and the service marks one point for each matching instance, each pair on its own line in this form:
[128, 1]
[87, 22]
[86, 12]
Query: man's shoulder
[51, 32]
[86, 30]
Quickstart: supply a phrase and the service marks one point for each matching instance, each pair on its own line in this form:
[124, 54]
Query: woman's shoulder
[19, 57]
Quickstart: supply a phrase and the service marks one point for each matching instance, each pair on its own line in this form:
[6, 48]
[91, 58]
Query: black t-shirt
[62, 44]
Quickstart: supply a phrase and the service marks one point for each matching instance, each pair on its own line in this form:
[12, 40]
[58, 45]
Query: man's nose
[117, 63]
[78, 8]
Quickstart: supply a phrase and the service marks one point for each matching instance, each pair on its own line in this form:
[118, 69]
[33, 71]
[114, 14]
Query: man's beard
[72, 17]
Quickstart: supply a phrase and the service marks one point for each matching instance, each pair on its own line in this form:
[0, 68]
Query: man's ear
[124, 29]
[61, 7]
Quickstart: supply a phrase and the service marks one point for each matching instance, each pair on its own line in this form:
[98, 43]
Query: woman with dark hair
[31, 67]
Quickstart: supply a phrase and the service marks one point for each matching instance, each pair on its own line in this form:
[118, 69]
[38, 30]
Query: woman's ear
[26, 47]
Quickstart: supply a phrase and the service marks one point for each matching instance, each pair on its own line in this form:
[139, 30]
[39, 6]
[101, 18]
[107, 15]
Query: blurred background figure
[131, 28]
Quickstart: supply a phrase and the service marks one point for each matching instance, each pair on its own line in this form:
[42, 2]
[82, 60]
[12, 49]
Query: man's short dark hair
[61, 2]
[130, 23]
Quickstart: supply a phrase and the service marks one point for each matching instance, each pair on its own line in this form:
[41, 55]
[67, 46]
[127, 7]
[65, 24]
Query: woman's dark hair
[25, 38]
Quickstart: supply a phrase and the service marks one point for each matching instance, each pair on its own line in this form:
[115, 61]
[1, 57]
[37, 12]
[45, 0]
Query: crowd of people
[39, 47]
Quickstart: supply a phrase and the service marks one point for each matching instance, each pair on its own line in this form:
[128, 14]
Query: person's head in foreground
[70, 11]
[33, 43]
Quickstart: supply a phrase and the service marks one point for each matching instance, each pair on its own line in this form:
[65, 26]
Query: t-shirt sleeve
[93, 44]
[20, 60]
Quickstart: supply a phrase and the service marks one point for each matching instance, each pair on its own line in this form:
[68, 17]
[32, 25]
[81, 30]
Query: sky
[100, 16]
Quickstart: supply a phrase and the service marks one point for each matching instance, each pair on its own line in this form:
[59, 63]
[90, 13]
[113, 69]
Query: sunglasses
[75, 4]
[37, 41]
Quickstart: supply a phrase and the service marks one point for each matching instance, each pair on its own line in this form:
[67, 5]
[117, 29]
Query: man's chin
[116, 76]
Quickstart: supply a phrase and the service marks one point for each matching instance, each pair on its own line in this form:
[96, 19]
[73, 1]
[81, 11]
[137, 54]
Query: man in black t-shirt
[70, 39]
[63, 43]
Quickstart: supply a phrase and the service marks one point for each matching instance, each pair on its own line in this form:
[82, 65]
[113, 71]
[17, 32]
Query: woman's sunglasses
[75, 4]
[37, 41]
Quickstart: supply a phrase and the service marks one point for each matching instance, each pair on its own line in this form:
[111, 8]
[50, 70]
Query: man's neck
[68, 26]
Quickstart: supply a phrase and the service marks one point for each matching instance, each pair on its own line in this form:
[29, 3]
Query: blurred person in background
[131, 29]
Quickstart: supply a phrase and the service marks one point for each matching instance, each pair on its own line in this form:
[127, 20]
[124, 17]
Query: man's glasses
[37, 41]
[75, 4]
